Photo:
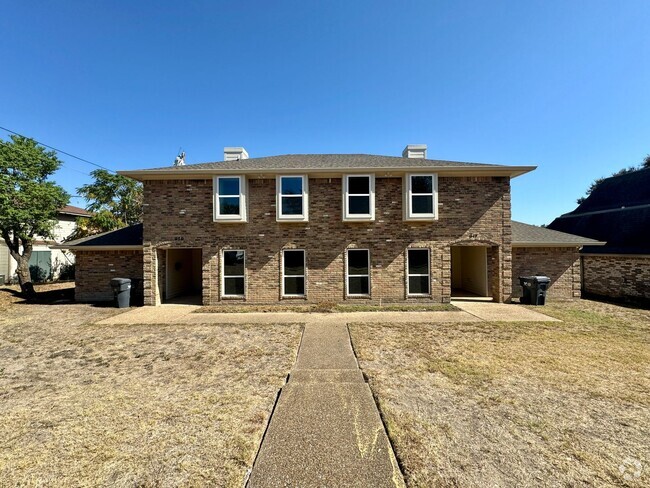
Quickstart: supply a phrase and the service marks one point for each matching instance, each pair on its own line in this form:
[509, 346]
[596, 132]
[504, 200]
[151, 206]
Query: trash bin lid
[120, 281]
[541, 279]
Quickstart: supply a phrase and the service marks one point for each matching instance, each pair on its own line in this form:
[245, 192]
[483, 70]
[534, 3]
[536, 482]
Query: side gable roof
[526, 235]
[72, 210]
[126, 238]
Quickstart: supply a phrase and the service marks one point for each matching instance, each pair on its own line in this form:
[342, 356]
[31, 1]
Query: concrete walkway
[469, 312]
[325, 429]
[502, 312]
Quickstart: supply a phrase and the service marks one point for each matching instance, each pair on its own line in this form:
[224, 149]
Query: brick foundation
[617, 276]
[95, 269]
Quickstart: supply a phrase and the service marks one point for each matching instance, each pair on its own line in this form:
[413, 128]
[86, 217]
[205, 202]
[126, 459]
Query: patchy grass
[148, 405]
[327, 308]
[516, 404]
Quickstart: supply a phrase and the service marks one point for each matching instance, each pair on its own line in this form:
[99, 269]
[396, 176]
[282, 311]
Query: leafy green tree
[29, 201]
[115, 200]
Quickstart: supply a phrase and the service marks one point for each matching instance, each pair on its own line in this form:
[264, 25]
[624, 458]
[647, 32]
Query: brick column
[149, 275]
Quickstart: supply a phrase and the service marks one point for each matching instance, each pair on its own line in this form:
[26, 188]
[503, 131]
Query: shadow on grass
[61, 296]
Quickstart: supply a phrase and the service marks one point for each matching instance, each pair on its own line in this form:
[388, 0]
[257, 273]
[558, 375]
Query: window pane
[358, 285]
[357, 262]
[419, 284]
[233, 263]
[359, 184]
[229, 205]
[233, 286]
[294, 285]
[418, 261]
[422, 204]
[294, 263]
[291, 205]
[422, 184]
[292, 186]
[228, 186]
[359, 205]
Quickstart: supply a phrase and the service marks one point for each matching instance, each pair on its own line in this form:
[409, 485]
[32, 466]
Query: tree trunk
[25, 277]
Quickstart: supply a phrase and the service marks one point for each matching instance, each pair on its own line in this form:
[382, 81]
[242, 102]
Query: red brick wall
[470, 209]
[560, 264]
[617, 276]
[95, 269]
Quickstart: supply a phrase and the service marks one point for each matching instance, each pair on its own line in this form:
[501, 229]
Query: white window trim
[223, 274]
[303, 276]
[242, 216]
[408, 275]
[347, 217]
[280, 217]
[348, 275]
[409, 215]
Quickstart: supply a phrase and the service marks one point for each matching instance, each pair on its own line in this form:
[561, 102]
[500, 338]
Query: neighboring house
[618, 212]
[326, 228]
[45, 261]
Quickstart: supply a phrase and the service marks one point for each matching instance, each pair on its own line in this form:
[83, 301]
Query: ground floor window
[358, 272]
[293, 273]
[234, 265]
[419, 272]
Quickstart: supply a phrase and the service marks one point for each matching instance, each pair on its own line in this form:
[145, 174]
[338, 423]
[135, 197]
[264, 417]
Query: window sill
[359, 219]
[234, 297]
[229, 221]
[286, 220]
[424, 218]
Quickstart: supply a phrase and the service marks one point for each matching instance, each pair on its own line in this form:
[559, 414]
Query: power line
[14, 148]
[58, 150]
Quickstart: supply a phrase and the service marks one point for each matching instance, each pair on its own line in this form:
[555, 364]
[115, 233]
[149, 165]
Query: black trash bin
[535, 288]
[121, 292]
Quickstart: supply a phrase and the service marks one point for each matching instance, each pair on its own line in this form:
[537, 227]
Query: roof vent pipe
[234, 153]
[417, 151]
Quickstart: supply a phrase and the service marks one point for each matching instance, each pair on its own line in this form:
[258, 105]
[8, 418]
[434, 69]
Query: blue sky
[564, 85]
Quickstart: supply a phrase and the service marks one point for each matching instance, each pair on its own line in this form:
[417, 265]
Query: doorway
[183, 276]
[469, 272]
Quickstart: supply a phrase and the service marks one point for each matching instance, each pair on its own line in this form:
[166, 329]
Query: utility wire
[58, 150]
[14, 148]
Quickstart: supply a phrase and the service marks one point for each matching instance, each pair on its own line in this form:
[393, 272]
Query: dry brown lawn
[152, 405]
[516, 404]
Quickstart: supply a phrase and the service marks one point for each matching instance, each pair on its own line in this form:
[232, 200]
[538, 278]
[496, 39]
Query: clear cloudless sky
[564, 85]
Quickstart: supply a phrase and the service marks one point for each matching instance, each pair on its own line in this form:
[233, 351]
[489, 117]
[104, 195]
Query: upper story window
[230, 198]
[292, 201]
[422, 197]
[359, 197]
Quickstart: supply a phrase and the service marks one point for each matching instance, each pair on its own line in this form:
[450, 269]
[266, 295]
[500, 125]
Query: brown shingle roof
[531, 235]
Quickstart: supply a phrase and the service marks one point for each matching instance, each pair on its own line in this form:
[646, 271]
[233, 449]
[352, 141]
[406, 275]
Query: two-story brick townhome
[325, 228]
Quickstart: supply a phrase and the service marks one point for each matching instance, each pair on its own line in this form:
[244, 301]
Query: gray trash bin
[121, 292]
[535, 288]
